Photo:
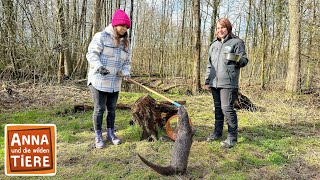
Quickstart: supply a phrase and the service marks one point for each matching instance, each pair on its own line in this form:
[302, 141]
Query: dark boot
[112, 137]
[217, 133]
[98, 139]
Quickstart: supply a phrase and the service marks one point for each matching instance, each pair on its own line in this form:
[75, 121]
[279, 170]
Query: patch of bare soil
[27, 95]
[299, 169]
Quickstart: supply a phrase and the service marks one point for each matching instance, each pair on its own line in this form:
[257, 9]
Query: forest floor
[279, 142]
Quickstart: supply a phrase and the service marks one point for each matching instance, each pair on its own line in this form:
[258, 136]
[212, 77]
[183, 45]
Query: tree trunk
[117, 4]
[248, 22]
[82, 34]
[311, 50]
[215, 7]
[196, 55]
[181, 64]
[74, 26]
[162, 38]
[293, 74]
[64, 39]
[131, 17]
[60, 67]
[264, 44]
[96, 17]
[10, 33]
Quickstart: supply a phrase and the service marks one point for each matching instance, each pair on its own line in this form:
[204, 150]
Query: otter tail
[166, 171]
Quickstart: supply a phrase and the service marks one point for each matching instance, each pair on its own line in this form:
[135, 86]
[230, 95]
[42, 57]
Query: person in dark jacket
[227, 55]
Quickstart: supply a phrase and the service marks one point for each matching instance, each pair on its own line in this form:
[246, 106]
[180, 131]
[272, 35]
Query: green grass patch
[232, 176]
[129, 98]
[276, 158]
[132, 133]
[248, 159]
[2, 149]
[65, 136]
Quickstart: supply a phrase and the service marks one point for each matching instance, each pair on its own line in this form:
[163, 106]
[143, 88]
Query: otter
[181, 148]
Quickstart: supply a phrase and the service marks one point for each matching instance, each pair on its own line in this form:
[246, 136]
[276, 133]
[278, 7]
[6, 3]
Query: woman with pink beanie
[109, 54]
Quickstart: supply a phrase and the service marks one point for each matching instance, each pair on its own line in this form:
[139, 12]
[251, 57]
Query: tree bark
[117, 4]
[10, 33]
[215, 7]
[162, 39]
[196, 55]
[131, 18]
[248, 22]
[293, 74]
[64, 38]
[96, 17]
[264, 44]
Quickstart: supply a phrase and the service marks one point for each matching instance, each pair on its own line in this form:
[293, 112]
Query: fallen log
[85, 108]
[166, 89]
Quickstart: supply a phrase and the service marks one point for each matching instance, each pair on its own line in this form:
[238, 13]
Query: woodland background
[43, 72]
[46, 41]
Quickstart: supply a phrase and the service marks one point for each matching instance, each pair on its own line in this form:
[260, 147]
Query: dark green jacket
[223, 73]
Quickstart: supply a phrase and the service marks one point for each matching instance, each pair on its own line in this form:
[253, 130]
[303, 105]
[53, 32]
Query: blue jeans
[103, 101]
[223, 108]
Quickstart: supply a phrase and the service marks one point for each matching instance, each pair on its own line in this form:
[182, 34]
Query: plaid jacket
[102, 52]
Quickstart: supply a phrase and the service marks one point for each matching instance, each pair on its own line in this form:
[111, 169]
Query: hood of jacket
[109, 29]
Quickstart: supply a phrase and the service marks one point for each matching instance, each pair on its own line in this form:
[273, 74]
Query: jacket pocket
[231, 70]
[108, 51]
[123, 55]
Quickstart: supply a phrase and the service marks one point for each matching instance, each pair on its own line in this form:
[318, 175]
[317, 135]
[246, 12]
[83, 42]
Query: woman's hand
[103, 71]
[126, 78]
[207, 87]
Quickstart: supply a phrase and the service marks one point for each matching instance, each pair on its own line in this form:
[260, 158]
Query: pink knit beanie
[121, 18]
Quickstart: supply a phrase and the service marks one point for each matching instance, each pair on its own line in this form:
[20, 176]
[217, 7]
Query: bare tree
[9, 31]
[264, 43]
[196, 55]
[131, 17]
[215, 6]
[64, 60]
[248, 21]
[293, 74]
[96, 21]
[117, 4]
[163, 29]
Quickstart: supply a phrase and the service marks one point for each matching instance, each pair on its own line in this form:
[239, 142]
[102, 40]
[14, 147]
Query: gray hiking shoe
[213, 137]
[98, 139]
[112, 137]
[228, 143]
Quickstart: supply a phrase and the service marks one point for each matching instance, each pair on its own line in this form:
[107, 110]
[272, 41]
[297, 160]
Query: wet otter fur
[181, 148]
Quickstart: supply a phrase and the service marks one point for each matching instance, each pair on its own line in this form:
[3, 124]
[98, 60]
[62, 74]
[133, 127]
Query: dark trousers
[102, 101]
[223, 108]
